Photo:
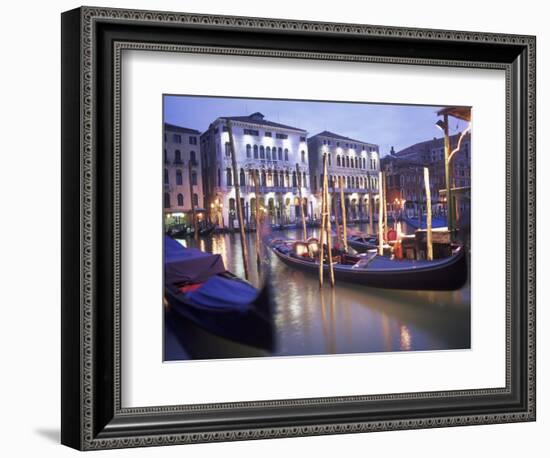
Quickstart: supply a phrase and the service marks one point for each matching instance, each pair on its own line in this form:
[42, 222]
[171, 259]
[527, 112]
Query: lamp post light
[444, 126]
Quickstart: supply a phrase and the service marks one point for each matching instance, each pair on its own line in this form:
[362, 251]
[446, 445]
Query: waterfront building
[277, 152]
[406, 168]
[355, 162]
[181, 171]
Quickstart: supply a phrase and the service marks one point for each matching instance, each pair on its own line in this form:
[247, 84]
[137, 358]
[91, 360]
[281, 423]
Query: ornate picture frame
[93, 416]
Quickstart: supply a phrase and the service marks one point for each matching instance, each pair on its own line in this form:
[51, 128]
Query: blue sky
[386, 125]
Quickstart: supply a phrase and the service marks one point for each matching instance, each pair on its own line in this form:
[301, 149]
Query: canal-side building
[182, 170]
[431, 154]
[279, 154]
[355, 162]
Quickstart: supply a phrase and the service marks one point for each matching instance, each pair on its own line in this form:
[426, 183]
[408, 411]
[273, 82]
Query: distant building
[355, 162]
[182, 166]
[276, 151]
[406, 167]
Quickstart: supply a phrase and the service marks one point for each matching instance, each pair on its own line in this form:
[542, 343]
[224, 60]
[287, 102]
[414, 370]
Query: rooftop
[258, 119]
[184, 130]
[332, 135]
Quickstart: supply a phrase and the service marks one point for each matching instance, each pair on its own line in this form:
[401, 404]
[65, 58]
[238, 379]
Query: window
[180, 200]
[294, 184]
[177, 156]
[303, 153]
[262, 152]
[195, 200]
[304, 182]
[194, 178]
[166, 200]
[268, 153]
[224, 128]
[286, 154]
[280, 154]
[255, 151]
[192, 140]
[268, 134]
[248, 151]
[165, 156]
[263, 178]
[179, 178]
[241, 178]
[281, 136]
[251, 132]
[329, 159]
[302, 139]
[166, 179]
[338, 160]
[228, 177]
[176, 138]
[193, 157]
[347, 161]
[227, 149]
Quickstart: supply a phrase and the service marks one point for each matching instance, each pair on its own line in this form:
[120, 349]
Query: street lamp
[444, 126]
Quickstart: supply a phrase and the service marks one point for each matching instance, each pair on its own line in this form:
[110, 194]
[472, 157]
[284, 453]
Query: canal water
[349, 318]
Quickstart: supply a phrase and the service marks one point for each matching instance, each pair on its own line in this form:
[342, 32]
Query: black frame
[92, 40]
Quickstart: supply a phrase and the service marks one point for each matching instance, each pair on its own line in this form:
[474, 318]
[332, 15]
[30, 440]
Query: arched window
[338, 163]
[180, 200]
[268, 153]
[166, 200]
[179, 178]
[255, 151]
[241, 177]
[304, 182]
[166, 179]
[347, 161]
[356, 162]
[329, 159]
[303, 153]
[286, 154]
[227, 149]
[228, 177]
[194, 178]
[177, 156]
[193, 157]
[275, 179]
[195, 200]
[364, 163]
[248, 151]
[262, 152]
[294, 184]
[263, 178]
[287, 179]
[282, 179]
[280, 154]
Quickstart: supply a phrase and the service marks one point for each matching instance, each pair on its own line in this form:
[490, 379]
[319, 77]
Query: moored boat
[371, 269]
[200, 289]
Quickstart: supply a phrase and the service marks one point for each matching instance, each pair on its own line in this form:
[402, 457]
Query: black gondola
[362, 243]
[373, 270]
[200, 289]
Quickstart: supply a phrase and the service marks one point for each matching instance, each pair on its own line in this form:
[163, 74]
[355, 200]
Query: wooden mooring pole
[429, 249]
[236, 185]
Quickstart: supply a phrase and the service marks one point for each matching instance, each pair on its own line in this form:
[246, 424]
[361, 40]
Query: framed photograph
[277, 228]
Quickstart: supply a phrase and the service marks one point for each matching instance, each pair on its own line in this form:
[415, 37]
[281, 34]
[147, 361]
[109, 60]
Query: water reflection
[349, 318]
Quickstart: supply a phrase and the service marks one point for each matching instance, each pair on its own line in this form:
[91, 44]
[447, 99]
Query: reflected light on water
[405, 338]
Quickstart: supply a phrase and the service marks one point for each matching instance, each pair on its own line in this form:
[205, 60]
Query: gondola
[371, 269]
[199, 289]
[362, 243]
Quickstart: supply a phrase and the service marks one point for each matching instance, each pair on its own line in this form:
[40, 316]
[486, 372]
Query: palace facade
[276, 152]
[354, 163]
[182, 172]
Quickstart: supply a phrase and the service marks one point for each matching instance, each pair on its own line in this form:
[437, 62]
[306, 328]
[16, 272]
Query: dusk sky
[385, 125]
